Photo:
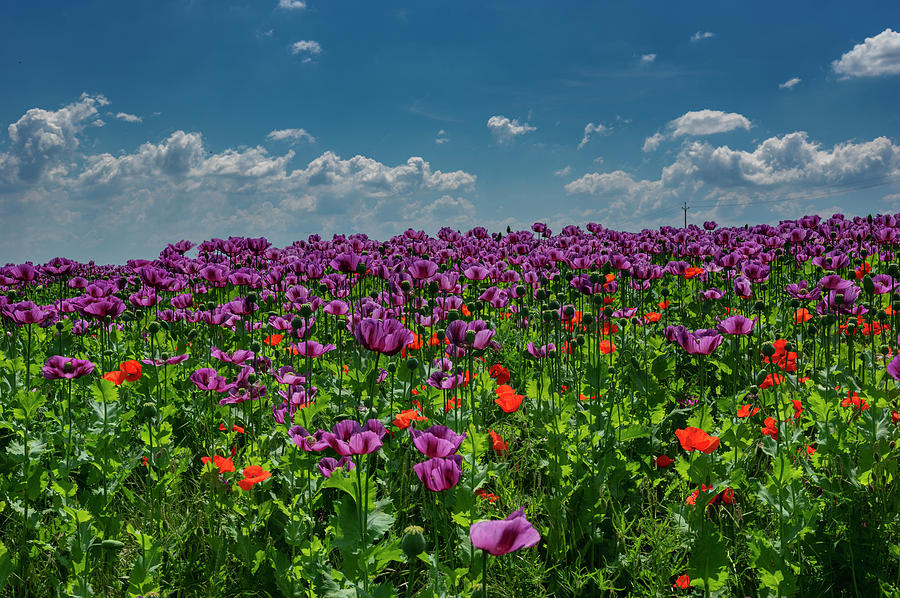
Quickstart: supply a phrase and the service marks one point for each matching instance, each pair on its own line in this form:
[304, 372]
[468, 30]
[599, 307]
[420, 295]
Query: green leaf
[104, 391]
[708, 567]
[6, 565]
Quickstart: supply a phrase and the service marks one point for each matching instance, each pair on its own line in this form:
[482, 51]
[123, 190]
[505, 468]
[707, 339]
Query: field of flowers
[700, 411]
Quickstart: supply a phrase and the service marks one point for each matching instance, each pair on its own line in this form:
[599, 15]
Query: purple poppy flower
[736, 324]
[327, 465]
[349, 438]
[444, 380]
[208, 379]
[336, 307]
[458, 334]
[800, 291]
[422, 269]
[712, 294]
[382, 336]
[169, 361]
[833, 282]
[109, 307]
[312, 349]
[440, 474]
[700, 342]
[66, 367]
[437, 441]
[26, 312]
[306, 441]
[237, 358]
[540, 352]
[504, 536]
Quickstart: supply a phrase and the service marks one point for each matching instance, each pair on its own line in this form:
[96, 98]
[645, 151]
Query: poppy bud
[754, 389]
[597, 300]
[297, 322]
[892, 445]
[554, 305]
[112, 545]
[828, 320]
[812, 328]
[153, 328]
[413, 542]
[851, 328]
[251, 378]
[148, 410]
[412, 363]
[452, 315]
[579, 340]
[519, 291]
[548, 315]
[164, 325]
[470, 336]
[607, 311]
[255, 346]
[373, 296]
[790, 347]
[306, 310]
[209, 306]
[433, 287]
[540, 295]
[360, 268]
[60, 326]
[252, 298]
[863, 253]
[594, 278]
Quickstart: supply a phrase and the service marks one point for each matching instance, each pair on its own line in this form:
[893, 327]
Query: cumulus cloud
[133, 202]
[648, 58]
[707, 122]
[42, 139]
[876, 56]
[702, 35]
[563, 171]
[291, 4]
[505, 130]
[292, 135]
[441, 137]
[592, 128]
[784, 165]
[790, 83]
[652, 143]
[129, 118]
[308, 48]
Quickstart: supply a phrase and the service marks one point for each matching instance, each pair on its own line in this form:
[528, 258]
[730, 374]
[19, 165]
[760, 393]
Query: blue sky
[132, 125]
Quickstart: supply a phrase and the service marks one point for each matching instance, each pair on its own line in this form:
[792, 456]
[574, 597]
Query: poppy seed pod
[607, 311]
[569, 311]
[554, 305]
[255, 346]
[754, 389]
[548, 315]
[405, 286]
[112, 545]
[579, 340]
[597, 300]
[412, 363]
[587, 319]
[519, 291]
[433, 287]
[452, 315]
[768, 350]
[164, 325]
[373, 296]
[209, 306]
[790, 347]
[540, 295]
[360, 268]
[60, 326]
[664, 291]
[828, 320]
[839, 298]
[413, 542]
[148, 410]
[252, 298]
[153, 328]
[470, 336]
[884, 349]
[795, 303]
[68, 367]
[441, 335]
[306, 310]
[760, 378]
[296, 322]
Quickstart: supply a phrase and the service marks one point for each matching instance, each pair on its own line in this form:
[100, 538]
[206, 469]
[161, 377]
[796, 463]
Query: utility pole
[685, 208]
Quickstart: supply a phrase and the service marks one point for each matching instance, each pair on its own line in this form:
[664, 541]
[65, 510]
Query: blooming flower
[683, 582]
[252, 476]
[349, 438]
[407, 417]
[770, 428]
[504, 536]
[439, 474]
[437, 441]
[497, 443]
[382, 336]
[692, 439]
[327, 465]
[66, 367]
[507, 399]
[499, 373]
[745, 411]
[664, 461]
[225, 464]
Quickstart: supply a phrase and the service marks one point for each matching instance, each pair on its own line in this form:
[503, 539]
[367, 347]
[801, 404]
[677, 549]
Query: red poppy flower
[508, 400]
[771, 428]
[895, 417]
[652, 316]
[465, 310]
[664, 461]
[499, 373]
[407, 417]
[253, 475]
[145, 462]
[497, 443]
[663, 304]
[607, 300]
[607, 347]
[863, 269]
[692, 439]
[682, 583]
[771, 380]
[273, 339]
[583, 398]
[802, 315]
[798, 407]
[608, 328]
[853, 399]
[692, 272]
[132, 370]
[117, 377]
[725, 497]
[485, 495]
[234, 428]
[453, 403]
[225, 464]
[745, 411]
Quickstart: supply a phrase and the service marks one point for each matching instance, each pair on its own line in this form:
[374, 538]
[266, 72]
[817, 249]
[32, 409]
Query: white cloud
[41, 139]
[702, 35]
[307, 47]
[563, 171]
[790, 83]
[292, 135]
[648, 58]
[441, 137]
[129, 118]
[592, 128]
[787, 166]
[291, 4]
[505, 130]
[707, 122]
[652, 142]
[879, 55]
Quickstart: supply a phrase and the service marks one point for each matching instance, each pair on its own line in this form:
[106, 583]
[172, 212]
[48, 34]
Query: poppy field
[705, 411]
